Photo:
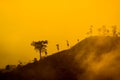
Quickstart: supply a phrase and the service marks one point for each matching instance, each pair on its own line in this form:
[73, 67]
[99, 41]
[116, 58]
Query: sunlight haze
[24, 21]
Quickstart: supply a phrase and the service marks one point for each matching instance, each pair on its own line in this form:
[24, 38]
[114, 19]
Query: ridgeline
[94, 58]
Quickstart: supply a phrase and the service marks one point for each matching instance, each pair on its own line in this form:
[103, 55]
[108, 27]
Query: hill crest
[94, 58]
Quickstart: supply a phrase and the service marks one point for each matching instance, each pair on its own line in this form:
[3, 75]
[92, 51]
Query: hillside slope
[94, 58]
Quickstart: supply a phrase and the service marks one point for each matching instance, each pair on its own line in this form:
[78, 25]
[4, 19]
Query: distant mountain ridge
[94, 58]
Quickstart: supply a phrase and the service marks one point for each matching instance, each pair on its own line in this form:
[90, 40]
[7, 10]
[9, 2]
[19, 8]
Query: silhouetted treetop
[40, 46]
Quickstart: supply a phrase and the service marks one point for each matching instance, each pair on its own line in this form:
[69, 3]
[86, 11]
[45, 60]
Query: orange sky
[22, 21]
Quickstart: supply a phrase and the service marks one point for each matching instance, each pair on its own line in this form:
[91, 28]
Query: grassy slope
[94, 58]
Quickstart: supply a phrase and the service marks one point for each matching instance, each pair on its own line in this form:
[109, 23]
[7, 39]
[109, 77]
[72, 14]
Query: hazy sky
[22, 21]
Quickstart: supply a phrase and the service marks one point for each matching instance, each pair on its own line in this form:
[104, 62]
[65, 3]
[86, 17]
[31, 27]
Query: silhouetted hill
[94, 58]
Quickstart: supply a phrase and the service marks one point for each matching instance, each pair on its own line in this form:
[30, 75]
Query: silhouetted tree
[118, 33]
[114, 30]
[103, 30]
[7, 67]
[90, 30]
[35, 60]
[78, 40]
[67, 43]
[107, 31]
[99, 30]
[57, 45]
[40, 46]
[19, 65]
[20, 62]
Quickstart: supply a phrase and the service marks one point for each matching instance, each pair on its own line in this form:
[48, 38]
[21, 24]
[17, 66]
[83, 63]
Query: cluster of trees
[9, 68]
[104, 31]
[58, 47]
[41, 47]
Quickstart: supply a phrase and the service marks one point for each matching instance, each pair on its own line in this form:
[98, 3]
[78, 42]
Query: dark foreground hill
[94, 58]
